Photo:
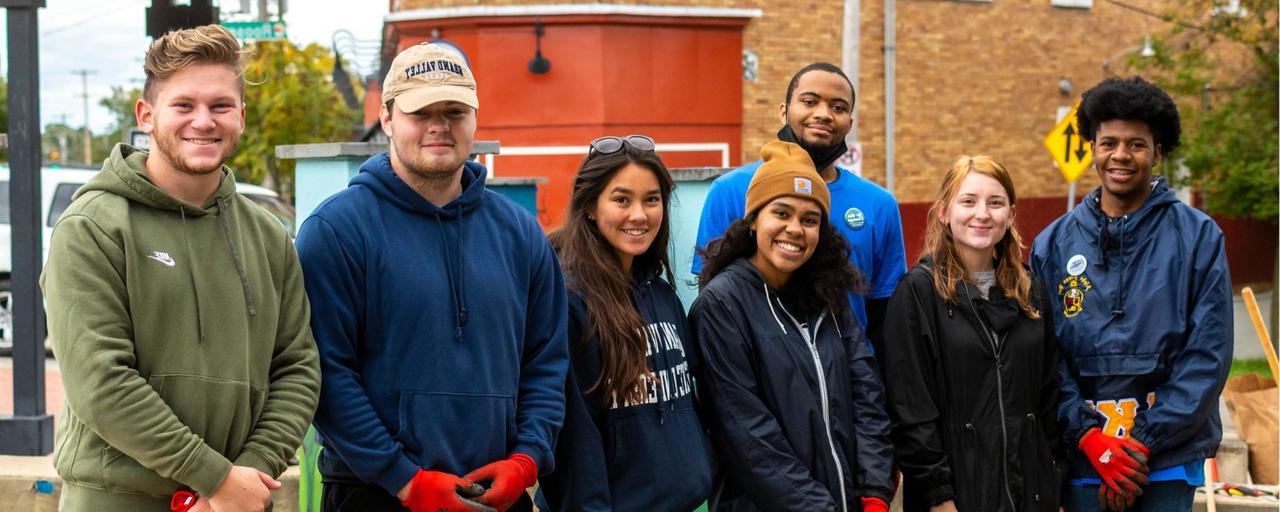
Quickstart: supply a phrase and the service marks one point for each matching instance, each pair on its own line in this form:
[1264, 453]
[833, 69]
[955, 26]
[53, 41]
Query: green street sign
[256, 30]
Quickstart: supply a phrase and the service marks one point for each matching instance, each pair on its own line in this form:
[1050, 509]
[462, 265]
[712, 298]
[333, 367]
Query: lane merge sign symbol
[1072, 153]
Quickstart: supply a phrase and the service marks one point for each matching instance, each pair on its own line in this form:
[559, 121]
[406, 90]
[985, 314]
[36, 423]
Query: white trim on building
[486, 11]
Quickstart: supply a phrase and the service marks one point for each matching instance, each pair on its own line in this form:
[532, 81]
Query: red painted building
[674, 74]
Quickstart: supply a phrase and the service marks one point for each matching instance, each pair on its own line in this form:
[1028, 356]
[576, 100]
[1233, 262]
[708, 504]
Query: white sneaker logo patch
[162, 257]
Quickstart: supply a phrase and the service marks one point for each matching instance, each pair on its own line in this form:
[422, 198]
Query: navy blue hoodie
[632, 457]
[788, 436]
[441, 330]
[1142, 310]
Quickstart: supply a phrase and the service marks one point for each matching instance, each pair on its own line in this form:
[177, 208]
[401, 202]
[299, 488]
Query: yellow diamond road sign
[1072, 153]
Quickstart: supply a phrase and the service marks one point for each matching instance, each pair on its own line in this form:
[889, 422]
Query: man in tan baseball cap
[439, 311]
[428, 73]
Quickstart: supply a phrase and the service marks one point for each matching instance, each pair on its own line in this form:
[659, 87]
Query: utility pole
[88, 139]
[62, 141]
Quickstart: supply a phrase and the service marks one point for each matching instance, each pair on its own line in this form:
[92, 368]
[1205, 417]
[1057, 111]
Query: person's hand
[507, 479]
[202, 505]
[1122, 463]
[1111, 500]
[437, 491]
[245, 489]
[946, 506]
[874, 504]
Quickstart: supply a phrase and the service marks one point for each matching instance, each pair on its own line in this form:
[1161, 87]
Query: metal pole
[890, 55]
[850, 60]
[30, 430]
[84, 88]
[1071, 196]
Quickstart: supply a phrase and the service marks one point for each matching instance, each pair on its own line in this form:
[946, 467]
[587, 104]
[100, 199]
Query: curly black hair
[1131, 99]
[823, 282]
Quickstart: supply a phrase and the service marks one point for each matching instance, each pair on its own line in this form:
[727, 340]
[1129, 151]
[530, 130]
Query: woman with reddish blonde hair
[974, 388]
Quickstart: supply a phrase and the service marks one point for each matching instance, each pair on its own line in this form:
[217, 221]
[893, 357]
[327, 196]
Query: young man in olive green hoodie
[177, 309]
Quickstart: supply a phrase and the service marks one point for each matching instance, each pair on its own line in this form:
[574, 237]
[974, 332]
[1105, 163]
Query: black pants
[337, 497]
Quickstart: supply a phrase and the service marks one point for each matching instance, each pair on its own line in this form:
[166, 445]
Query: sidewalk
[52, 387]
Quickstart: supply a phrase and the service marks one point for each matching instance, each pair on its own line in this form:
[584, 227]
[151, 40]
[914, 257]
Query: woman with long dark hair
[632, 439]
[794, 404]
[974, 386]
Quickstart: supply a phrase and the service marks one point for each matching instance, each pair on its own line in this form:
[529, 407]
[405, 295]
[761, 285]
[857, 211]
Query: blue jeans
[1171, 496]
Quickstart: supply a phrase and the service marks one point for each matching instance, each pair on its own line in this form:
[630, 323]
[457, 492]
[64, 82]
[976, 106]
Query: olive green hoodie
[183, 337]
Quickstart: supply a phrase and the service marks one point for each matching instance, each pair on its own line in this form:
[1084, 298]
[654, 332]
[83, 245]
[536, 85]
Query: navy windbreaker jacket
[786, 436]
[1142, 310]
[441, 330]
[632, 457]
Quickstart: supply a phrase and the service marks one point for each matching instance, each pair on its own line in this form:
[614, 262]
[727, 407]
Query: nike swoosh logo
[167, 261]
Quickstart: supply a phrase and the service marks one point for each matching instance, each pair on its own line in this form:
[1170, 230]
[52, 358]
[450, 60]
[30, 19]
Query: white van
[57, 186]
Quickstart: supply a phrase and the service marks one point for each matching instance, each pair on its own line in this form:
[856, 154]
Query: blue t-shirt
[866, 214]
[1191, 472]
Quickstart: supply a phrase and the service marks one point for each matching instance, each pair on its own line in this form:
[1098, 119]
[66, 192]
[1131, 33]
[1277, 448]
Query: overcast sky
[109, 38]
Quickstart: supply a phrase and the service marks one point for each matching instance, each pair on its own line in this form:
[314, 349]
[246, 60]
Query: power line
[96, 16]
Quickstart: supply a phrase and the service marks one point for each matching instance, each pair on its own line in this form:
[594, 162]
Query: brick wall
[983, 78]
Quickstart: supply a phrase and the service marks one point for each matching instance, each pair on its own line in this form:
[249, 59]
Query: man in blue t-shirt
[817, 114]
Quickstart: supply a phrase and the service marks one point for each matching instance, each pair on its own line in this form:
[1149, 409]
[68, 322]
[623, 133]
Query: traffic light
[163, 16]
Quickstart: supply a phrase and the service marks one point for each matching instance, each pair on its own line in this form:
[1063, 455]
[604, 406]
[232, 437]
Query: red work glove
[873, 504]
[1122, 463]
[507, 479]
[436, 491]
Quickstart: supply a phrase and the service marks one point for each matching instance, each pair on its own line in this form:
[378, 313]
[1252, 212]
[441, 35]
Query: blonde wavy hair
[1011, 275]
[179, 49]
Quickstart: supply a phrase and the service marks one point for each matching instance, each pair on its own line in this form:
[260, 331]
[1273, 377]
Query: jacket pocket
[463, 430]
[220, 412]
[1119, 364]
[1042, 481]
[963, 454]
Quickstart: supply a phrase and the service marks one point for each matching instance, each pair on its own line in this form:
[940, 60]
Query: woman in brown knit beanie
[793, 402]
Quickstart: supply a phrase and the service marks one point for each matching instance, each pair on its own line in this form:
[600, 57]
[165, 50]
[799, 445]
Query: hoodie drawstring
[224, 211]
[1107, 241]
[767, 300]
[186, 246]
[455, 289]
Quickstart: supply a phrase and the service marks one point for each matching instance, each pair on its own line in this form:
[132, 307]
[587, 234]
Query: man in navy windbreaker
[439, 310]
[1142, 308]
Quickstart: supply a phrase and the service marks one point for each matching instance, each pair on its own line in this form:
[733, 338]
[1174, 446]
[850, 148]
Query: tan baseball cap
[429, 73]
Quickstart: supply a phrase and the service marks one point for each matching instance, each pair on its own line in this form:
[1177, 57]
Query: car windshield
[281, 210]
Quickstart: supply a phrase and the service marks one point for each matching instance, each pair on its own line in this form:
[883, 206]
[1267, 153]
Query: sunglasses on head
[610, 144]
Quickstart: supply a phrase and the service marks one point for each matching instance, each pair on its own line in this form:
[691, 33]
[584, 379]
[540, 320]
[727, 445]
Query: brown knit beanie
[787, 171]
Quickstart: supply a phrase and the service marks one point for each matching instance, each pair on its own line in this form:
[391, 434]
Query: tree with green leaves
[290, 98]
[1219, 61]
[122, 105]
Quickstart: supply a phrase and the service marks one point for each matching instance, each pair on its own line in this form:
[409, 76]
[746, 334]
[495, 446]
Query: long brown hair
[593, 270]
[939, 244]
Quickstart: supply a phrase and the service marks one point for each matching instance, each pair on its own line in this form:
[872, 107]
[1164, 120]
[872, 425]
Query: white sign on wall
[852, 159]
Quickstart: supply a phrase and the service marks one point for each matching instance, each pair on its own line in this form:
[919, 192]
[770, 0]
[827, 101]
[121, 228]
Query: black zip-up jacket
[973, 392]
[787, 436]
[631, 457]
